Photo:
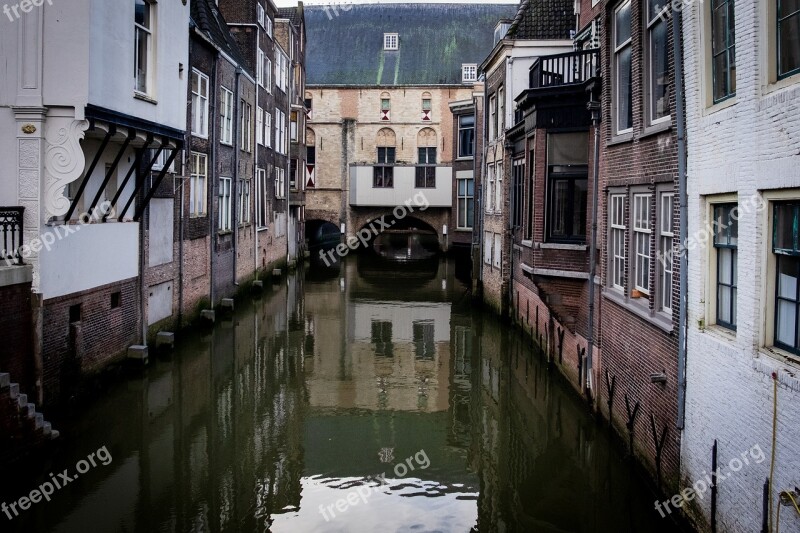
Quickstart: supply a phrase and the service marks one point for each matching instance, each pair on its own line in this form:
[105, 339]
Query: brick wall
[16, 330]
[743, 147]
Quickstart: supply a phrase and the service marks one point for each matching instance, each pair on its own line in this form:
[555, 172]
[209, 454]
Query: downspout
[211, 182]
[595, 109]
[234, 214]
[255, 185]
[288, 146]
[680, 121]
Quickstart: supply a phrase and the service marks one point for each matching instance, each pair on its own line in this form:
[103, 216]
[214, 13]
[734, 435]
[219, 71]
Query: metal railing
[571, 68]
[11, 228]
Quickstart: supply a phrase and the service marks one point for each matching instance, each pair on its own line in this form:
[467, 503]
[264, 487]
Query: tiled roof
[346, 47]
[210, 21]
[294, 14]
[543, 19]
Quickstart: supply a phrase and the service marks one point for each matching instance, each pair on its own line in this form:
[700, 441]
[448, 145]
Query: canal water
[364, 397]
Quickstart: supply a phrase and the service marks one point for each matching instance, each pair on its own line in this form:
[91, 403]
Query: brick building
[743, 125]
[383, 129]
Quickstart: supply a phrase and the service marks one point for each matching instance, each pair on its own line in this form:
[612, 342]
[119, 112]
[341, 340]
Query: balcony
[563, 70]
[11, 230]
[399, 184]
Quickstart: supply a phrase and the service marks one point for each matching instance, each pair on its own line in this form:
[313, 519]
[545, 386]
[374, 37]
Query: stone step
[22, 400]
[13, 391]
[5, 380]
[39, 420]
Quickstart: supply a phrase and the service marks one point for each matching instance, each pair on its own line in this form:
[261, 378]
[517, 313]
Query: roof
[345, 47]
[293, 14]
[208, 19]
[543, 19]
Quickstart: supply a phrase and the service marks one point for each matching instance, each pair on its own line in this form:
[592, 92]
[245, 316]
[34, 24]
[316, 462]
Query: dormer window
[391, 41]
[469, 72]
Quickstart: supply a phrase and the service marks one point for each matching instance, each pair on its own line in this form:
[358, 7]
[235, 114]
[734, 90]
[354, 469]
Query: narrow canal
[356, 399]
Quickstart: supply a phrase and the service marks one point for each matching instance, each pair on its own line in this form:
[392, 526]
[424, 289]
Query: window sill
[559, 246]
[719, 106]
[144, 98]
[464, 230]
[659, 320]
[720, 333]
[198, 216]
[223, 233]
[620, 139]
[468, 158]
[262, 229]
[789, 81]
[528, 244]
[655, 129]
[771, 360]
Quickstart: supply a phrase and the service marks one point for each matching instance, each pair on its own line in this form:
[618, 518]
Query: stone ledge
[15, 275]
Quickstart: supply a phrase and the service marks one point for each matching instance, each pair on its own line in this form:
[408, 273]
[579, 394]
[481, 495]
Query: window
[641, 242]
[268, 24]
[116, 300]
[311, 165]
[226, 111]
[498, 189]
[492, 118]
[143, 44]
[726, 241]
[466, 206]
[280, 131]
[518, 184]
[786, 248]
[293, 126]
[262, 207]
[657, 67]
[247, 126]
[224, 204]
[788, 38]
[280, 182]
[489, 189]
[199, 104]
[383, 176]
[427, 107]
[567, 182]
[623, 104]
[198, 179]
[424, 343]
[666, 240]
[260, 68]
[501, 111]
[723, 49]
[244, 202]
[426, 169]
[391, 41]
[259, 126]
[487, 247]
[616, 209]
[267, 74]
[267, 129]
[382, 338]
[469, 72]
[386, 106]
[260, 14]
[293, 183]
[498, 251]
[466, 136]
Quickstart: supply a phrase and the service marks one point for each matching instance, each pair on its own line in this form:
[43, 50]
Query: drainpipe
[288, 145]
[213, 179]
[680, 121]
[254, 184]
[234, 214]
[594, 108]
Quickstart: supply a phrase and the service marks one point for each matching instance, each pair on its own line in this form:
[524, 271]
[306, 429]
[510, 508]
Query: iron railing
[571, 68]
[11, 229]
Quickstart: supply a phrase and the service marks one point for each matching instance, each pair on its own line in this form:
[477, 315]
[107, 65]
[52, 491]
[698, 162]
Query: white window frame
[200, 105]
[498, 188]
[262, 204]
[660, 18]
[501, 111]
[615, 66]
[224, 223]
[198, 185]
[497, 255]
[146, 32]
[642, 231]
[467, 199]
[469, 72]
[391, 42]
[280, 182]
[267, 129]
[259, 126]
[268, 24]
[247, 127]
[489, 189]
[260, 67]
[226, 113]
[616, 245]
[243, 192]
[488, 241]
[267, 69]
[260, 14]
[492, 118]
[666, 245]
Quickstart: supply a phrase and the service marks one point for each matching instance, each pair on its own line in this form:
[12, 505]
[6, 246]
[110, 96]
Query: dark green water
[277, 418]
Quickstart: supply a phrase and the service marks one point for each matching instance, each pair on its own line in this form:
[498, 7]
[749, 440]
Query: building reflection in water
[331, 379]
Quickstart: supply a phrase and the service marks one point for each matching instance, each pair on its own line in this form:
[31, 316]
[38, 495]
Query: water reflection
[330, 380]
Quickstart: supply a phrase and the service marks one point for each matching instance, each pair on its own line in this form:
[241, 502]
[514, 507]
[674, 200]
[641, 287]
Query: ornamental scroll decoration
[64, 161]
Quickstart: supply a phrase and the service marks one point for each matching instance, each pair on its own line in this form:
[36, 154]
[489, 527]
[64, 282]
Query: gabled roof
[208, 20]
[543, 19]
[293, 14]
[345, 47]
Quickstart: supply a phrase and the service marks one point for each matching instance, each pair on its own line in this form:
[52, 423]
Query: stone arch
[426, 138]
[386, 137]
[311, 137]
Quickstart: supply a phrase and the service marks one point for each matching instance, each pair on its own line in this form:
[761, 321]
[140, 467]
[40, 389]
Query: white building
[92, 95]
[744, 304]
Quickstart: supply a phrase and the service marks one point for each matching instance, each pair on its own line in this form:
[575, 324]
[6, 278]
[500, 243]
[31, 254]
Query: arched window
[427, 107]
[426, 159]
[386, 106]
[386, 142]
[311, 159]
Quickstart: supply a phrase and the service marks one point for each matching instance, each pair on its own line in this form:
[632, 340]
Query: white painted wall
[742, 147]
[161, 231]
[93, 256]
[362, 193]
[363, 313]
